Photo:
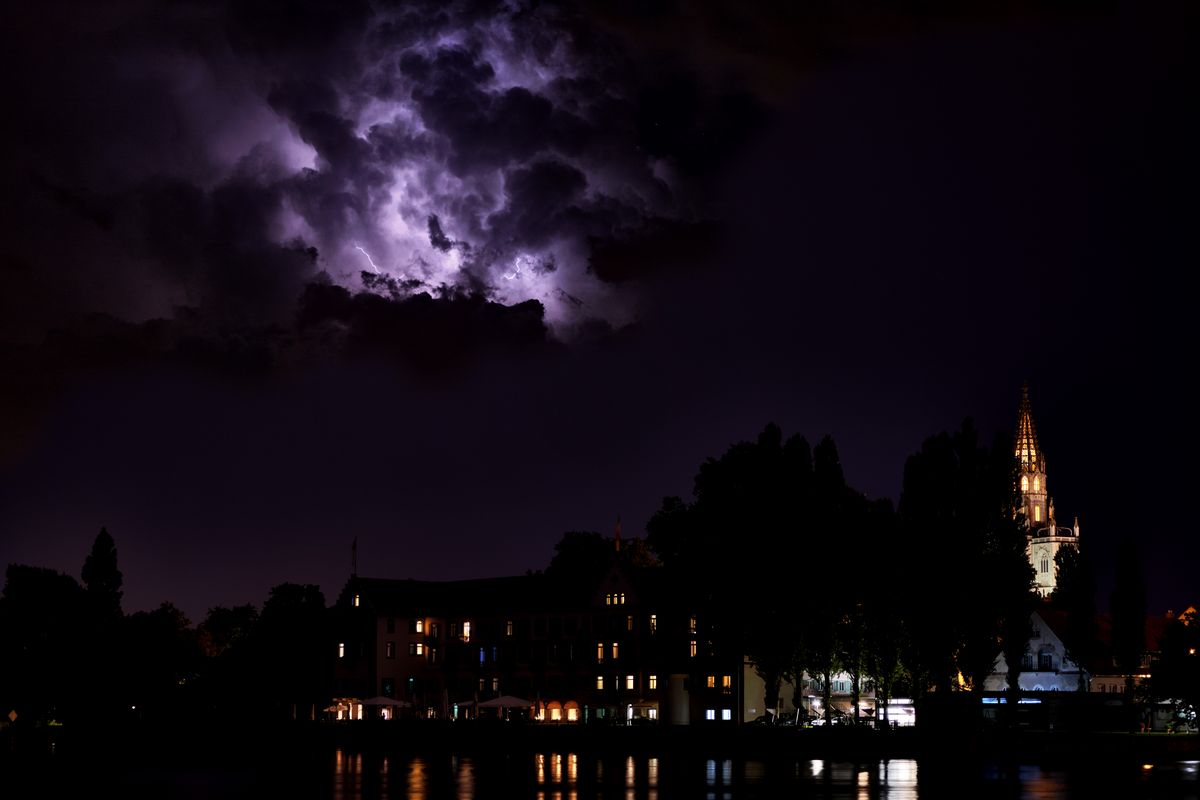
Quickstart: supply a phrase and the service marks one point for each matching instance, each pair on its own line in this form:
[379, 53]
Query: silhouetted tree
[291, 645]
[1128, 607]
[1075, 595]
[160, 658]
[960, 501]
[1176, 676]
[224, 628]
[101, 576]
[40, 613]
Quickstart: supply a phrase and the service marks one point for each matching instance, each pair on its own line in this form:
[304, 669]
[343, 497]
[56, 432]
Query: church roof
[1026, 447]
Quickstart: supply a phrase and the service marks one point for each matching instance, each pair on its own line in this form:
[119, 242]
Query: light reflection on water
[581, 776]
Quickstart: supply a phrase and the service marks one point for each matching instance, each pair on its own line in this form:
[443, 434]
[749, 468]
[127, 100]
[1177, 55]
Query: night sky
[454, 279]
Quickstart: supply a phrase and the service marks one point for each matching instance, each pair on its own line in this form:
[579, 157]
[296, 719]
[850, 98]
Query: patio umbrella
[506, 701]
[385, 701]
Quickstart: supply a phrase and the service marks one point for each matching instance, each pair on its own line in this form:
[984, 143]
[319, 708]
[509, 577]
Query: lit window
[692, 625]
[1037, 483]
[420, 648]
[466, 634]
[629, 623]
[629, 682]
[710, 713]
[600, 683]
[599, 651]
[726, 683]
[1024, 483]
[711, 681]
[389, 650]
[653, 623]
[1037, 513]
[616, 650]
[726, 714]
[508, 627]
[495, 684]
[420, 626]
[482, 655]
[356, 601]
[608, 599]
[482, 684]
[622, 599]
[653, 682]
[341, 649]
[692, 648]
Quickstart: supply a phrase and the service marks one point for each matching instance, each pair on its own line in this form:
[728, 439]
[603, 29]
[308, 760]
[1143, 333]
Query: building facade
[618, 652]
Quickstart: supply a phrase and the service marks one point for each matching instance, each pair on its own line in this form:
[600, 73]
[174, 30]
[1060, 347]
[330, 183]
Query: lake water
[573, 776]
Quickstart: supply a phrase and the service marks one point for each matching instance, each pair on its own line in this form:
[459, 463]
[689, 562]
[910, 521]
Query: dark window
[387, 687]
[391, 624]
[1045, 662]
[435, 630]
[412, 626]
[389, 650]
[412, 648]
[1027, 662]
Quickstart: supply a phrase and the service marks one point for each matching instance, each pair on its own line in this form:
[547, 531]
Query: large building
[614, 650]
[1046, 537]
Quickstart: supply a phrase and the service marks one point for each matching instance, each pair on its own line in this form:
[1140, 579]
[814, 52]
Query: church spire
[1026, 449]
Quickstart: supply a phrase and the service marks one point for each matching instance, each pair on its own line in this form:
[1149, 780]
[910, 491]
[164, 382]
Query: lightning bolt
[369, 259]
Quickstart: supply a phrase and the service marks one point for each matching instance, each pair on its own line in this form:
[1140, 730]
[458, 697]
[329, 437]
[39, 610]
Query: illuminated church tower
[1045, 537]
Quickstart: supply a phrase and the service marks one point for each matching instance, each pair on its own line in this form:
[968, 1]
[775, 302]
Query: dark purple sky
[860, 225]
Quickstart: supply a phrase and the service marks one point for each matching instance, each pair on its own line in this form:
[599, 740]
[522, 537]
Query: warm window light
[692, 648]
[600, 683]
[356, 601]
[1037, 513]
[1024, 483]
[653, 623]
[654, 679]
[599, 651]
[629, 682]
[466, 634]
[1037, 483]
[420, 626]
[726, 682]
[710, 681]
[615, 649]
[508, 627]
[629, 623]
[341, 649]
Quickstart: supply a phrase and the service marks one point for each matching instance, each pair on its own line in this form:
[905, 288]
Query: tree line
[782, 560]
